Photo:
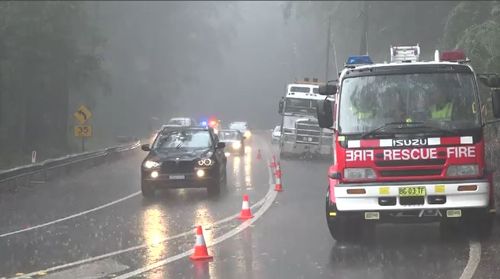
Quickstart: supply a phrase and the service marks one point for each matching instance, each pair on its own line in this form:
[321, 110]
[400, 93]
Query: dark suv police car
[184, 157]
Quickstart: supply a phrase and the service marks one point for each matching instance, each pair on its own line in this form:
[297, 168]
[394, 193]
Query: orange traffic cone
[259, 156]
[246, 213]
[200, 248]
[273, 163]
[277, 186]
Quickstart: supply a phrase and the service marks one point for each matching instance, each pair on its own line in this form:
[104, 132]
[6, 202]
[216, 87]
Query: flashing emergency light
[213, 122]
[358, 60]
[456, 55]
[203, 121]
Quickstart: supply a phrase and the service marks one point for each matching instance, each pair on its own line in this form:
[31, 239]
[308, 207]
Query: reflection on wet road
[289, 240]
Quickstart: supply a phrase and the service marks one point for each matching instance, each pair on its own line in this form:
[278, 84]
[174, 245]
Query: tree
[44, 56]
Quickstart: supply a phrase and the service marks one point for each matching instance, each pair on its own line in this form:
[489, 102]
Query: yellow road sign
[83, 131]
[82, 114]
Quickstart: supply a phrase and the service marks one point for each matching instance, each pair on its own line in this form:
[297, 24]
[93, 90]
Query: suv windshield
[229, 135]
[238, 126]
[183, 139]
[447, 100]
[179, 122]
[300, 106]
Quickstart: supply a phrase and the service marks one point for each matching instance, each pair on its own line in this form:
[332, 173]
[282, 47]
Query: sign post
[33, 156]
[82, 115]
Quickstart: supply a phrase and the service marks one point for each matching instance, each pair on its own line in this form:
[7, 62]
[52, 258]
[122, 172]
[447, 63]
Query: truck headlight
[247, 134]
[359, 173]
[462, 170]
[236, 145]
[205, 162]
[151, 164]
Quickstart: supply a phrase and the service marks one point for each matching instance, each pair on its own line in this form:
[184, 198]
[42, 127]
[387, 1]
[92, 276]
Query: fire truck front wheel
[346, 228]
[341, 230]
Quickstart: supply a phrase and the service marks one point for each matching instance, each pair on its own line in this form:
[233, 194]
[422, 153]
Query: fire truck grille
[426, 172]
[435, 162]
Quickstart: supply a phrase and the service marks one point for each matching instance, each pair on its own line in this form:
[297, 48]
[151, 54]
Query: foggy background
[136, 64]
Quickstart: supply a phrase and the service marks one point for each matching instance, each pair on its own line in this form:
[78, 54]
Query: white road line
[269, 199]
[133, 248]
[473, 262]
[71, 216]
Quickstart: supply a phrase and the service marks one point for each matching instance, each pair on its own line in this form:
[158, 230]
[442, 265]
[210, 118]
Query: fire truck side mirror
[495, 99]
[280, 107]
[324, 112]
[327, 89]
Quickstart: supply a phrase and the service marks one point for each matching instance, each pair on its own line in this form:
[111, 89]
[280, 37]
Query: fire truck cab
[409, 145]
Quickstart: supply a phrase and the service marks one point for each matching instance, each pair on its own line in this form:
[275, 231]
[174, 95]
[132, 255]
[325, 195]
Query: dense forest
[470, 25]
[123, 60]
[127, 61]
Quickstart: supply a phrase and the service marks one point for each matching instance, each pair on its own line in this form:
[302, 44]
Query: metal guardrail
[55, 167]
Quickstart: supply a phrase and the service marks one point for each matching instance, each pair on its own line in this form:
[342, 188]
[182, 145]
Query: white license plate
[177, 177]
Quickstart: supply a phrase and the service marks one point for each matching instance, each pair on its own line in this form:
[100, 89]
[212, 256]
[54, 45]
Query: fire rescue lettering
[359, 155]
[410, 154]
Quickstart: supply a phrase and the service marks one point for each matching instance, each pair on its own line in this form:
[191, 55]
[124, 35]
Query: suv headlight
[462, 170]
[236, 145]
[151, 164]
[207, 162]
[359, 173]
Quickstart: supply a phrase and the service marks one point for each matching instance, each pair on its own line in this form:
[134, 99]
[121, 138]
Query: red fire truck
[408, 144]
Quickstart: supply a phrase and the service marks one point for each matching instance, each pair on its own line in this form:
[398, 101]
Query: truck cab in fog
[300, 132]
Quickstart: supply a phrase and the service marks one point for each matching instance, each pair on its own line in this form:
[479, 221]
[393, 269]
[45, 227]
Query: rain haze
[249, 139]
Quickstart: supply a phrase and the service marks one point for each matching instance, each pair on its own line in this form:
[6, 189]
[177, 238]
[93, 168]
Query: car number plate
[177, 177]
[412, 191]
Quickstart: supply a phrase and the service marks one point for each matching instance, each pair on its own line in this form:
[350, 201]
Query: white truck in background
[300, 132]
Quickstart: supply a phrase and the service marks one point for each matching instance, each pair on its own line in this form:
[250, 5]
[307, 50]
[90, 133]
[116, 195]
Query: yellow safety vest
[442, 114]
[362, 115]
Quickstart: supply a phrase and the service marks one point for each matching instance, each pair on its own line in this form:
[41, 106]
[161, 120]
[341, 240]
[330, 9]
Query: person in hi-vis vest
[441, 106]
[363, 106]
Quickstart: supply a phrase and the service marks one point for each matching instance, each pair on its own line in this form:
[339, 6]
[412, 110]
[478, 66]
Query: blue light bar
[358, 60]
[203, 122]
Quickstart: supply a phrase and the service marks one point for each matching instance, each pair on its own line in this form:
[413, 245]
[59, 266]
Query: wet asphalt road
[288, 239]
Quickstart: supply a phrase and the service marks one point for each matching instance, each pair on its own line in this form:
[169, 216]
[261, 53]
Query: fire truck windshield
[446, 100]
[300, 106]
